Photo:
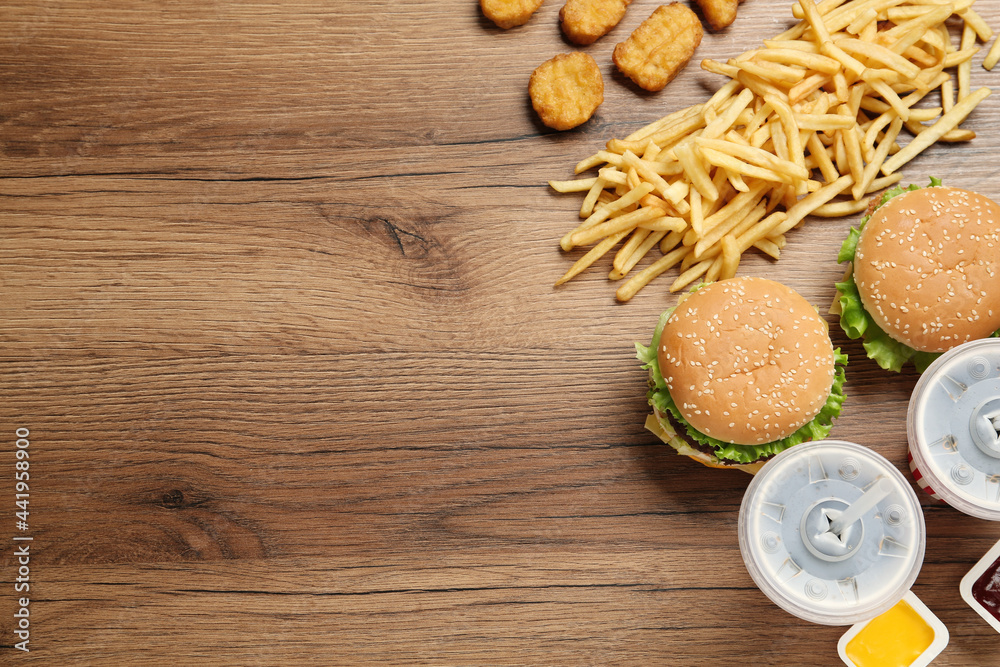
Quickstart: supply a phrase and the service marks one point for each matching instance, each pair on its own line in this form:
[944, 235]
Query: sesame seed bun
[747, 360]
[926, 267]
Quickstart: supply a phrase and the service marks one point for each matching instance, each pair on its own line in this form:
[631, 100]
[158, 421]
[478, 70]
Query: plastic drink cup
[953, 428]
[812, 571]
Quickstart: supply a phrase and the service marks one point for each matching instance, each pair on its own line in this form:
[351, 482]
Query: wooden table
[278, 318]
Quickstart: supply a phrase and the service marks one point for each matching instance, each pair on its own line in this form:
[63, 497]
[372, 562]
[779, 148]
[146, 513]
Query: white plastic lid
[807, 571]
[953, 427]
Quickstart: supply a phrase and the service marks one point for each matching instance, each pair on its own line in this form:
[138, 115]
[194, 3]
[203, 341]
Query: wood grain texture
[277, 308]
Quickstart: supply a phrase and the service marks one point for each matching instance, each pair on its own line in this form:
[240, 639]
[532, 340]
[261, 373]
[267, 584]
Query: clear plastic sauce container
[953, 428]
[907, 635]
[802, 552]
[980, 587]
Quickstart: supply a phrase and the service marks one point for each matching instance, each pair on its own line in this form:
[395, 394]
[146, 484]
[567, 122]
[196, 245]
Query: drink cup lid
[785, 539]
[953, 428]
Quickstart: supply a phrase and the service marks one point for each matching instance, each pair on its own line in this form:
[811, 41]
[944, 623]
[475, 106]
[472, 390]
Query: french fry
[704, 245]
[574, 185]
[852, 147]
[883, 182]
[993, 55]
[696, 172]
[592, 256]
[811, 202]
[871, 169]
[643, 278]
[965, 68]
[602, 213]
[730, 257]
[811, 124]
[641, 251]
[976, 22]
[769, 247]
[877, 53]
[637, 238]
[841, 208]
[948, 122]
[691, 274]
[625, 222]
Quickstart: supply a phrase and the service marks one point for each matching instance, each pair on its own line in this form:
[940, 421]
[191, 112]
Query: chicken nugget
[509, 13]
[586, 21]
[660, 47]
[566, 90]
[719, 13]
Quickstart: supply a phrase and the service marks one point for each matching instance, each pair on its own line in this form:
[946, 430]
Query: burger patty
[681, 432]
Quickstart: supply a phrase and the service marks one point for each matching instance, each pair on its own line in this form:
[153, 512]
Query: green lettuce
[659, 398]
[887, 352]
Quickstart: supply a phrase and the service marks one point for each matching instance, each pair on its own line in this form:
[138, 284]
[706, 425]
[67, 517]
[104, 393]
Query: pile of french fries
[809, 124]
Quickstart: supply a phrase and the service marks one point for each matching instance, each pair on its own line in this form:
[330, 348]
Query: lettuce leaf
[659, 398]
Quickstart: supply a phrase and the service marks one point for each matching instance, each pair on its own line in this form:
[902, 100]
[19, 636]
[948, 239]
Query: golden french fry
[736, 208]
[949, 121]
[878, 53]
[759, 231]
[890, 96]
[906, 34]
[860, 23]
[697, 212]
[625, 221]
[883, 182]
[696, 171]
[629, 263]
[993, 55]
[592, 256]
[964, 73]
[692, 274]
[826, 122]
[772, 72]
[976, 22]
[811, 202]
[638, 236]
[734, 225]
[664, 223]
[587, 207]
[808, 125]
[730, 257]
[602, 213]
[714, 270]
[841, 208]
[871, 169]
[643, 278]
[810, 61]
[852, 147]
[740, 168]
[574, 185]
[769, 247]
[956, 58]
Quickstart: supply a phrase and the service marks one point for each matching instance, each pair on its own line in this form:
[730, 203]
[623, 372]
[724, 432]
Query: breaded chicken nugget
[566, 90]
[509, 13]
[586, 21]
[719, 13]
[660, 47]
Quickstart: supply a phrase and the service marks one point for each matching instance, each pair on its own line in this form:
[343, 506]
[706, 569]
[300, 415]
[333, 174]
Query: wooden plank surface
[277, 311]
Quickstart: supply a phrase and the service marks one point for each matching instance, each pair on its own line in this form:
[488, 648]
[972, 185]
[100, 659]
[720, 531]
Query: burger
[740, 370]
[924, 274]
